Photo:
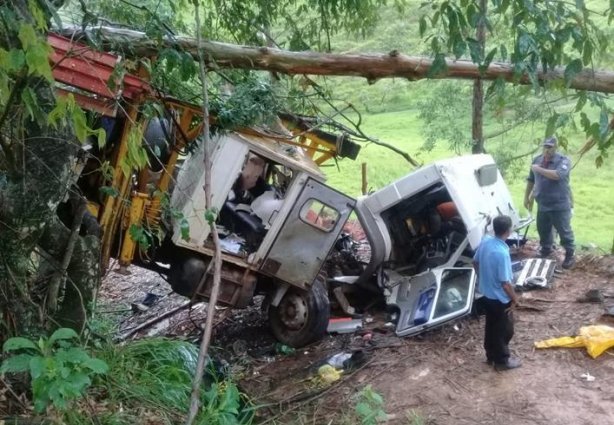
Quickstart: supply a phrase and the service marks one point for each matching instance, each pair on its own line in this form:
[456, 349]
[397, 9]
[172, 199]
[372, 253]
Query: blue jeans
[561, 221]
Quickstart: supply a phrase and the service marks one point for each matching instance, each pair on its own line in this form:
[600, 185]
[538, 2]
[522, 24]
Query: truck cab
[277, 222]
[423, 230]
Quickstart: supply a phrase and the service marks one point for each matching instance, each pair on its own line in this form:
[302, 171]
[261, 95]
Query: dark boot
[545, 252]
[570, 259]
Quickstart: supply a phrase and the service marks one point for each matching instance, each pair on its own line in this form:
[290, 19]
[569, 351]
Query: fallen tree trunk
[370, 66]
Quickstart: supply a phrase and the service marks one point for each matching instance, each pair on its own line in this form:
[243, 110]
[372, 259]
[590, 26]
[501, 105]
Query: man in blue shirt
[548, 181]
[494, 266]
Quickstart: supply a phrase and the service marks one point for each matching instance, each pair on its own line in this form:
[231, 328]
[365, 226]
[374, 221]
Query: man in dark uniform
[549, 182]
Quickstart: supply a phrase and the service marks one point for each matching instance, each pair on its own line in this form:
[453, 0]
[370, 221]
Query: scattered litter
[368, 337]
[284, 349]
[338, 360]
[232, 243]
[343, 325]
[592, 296]
[533, 273]
[149, 300]
[596, 339]
[347, 361]
[328, 374]
[587, 377]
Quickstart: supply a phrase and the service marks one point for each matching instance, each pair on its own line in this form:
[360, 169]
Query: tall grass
[149, 382]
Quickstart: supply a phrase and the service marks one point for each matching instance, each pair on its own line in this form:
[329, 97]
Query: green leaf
[571, 70]
[363, 409]
[18, 363]
[230, 400]
[581, 102]
[422, 26]
[96, 365]
[63, 333]
[37, 366]
[80, 124]
[58, 112]
[438, 67]
[18, 343]
[37, 58]
[585, 122]
[211, 216]
[125, 167]
[16, 60]
[603, 123]
[489, 58]
[38, 15]
[27, 36]
[101, 137]
[28, 97]
[587, 53]
[78, 381]
[459, 48]
[40, 405]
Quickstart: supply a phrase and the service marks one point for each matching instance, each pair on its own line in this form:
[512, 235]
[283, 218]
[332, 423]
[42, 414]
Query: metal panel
[300, 248]
[477, 205]
[189, 196]
[433, 298]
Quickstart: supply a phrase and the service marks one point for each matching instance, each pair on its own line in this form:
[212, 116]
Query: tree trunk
[370, 66]
[477, 127]
[36, 162]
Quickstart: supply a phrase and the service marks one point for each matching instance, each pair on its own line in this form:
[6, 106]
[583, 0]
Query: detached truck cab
[423, 230]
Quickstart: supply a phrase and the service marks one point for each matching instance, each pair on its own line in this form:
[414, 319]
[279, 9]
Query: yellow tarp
[596, 339]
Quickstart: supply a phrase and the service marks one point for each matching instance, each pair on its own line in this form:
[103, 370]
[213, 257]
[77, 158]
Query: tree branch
[60, 274]
[371, 66]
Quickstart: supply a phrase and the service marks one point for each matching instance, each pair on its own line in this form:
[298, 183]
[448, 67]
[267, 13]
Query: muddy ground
[439, 377]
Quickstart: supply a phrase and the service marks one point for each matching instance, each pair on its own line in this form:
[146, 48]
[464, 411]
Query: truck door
[433, 298]
[308, 234]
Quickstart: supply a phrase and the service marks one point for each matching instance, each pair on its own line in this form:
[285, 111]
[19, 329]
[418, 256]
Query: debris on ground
[596, 339]
[435, 375]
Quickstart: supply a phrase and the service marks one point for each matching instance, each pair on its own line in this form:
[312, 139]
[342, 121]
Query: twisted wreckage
[278, 220]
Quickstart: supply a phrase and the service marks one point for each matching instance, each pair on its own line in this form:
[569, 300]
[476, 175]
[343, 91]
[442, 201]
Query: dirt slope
[441, 375]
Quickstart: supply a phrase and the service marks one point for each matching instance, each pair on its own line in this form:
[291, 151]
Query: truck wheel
[301, 316]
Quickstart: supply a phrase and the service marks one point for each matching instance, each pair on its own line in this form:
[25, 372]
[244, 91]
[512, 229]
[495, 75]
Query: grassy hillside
[593, 220]
[390, 112]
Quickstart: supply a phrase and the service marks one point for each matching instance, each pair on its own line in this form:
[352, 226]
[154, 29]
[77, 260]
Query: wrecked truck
[279, 223]
[421, 232]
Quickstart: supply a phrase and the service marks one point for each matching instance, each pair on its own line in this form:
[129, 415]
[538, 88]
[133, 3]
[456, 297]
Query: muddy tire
[301, 316]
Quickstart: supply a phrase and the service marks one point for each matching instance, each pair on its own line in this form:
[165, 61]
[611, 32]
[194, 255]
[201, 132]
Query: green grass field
[390, 114]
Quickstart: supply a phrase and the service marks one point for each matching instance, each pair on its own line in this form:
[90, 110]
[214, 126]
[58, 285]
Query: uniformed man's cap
[550, 142]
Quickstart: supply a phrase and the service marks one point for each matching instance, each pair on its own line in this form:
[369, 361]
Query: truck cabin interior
[425, 228]
[252, 204]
